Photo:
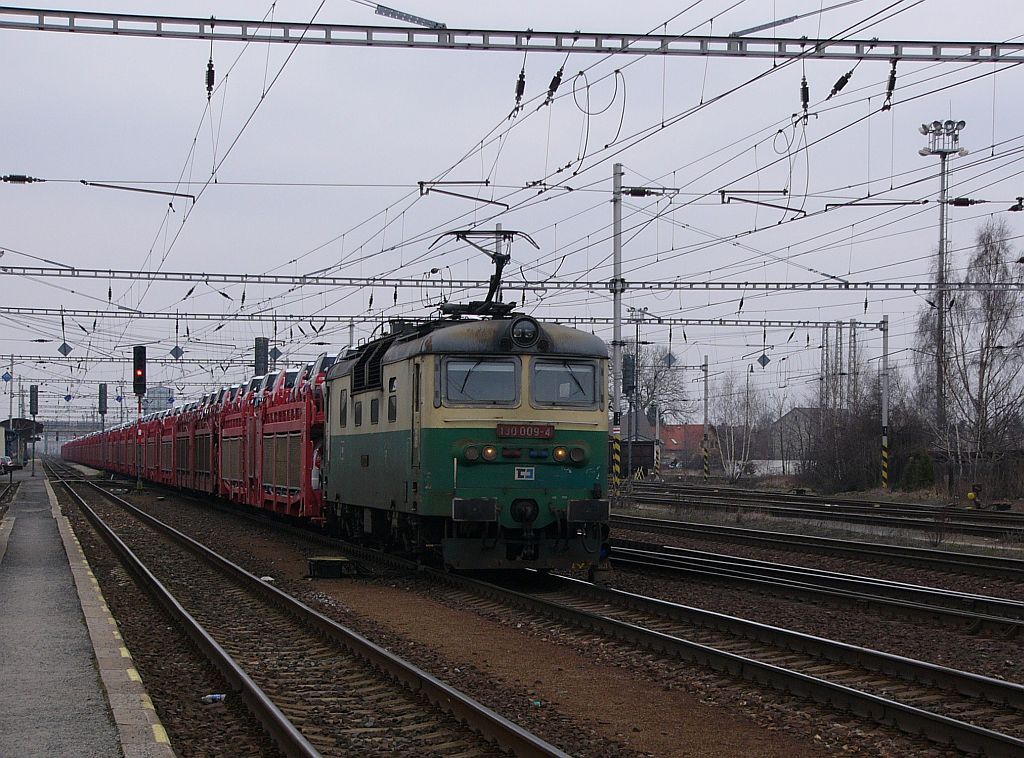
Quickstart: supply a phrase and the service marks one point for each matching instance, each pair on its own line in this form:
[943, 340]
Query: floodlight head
[925, 151]
[936, 126]
[949, 126]
[961, 124]
[923, 128]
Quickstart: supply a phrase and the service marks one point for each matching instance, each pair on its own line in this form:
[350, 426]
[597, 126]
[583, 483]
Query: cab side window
[343, 408]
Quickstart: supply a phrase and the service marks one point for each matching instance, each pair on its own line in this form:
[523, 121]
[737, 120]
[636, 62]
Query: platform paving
[68, 685]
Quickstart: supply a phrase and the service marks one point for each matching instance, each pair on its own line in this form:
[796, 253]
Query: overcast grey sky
[373, 122]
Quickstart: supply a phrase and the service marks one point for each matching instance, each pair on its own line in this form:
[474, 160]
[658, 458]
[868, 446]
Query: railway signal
[628, 374]
[33, 410]
[139, 372]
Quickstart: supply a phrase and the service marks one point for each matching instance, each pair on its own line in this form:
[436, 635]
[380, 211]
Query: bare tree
[985, 390]
[661, 383]
[737, 409]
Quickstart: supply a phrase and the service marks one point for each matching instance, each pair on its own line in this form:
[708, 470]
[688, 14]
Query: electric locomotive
[482, 440]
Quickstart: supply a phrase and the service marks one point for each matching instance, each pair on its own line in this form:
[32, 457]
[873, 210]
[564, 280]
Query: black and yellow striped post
[707, 460]
[616, 459]
[885, 461]
[657, 461]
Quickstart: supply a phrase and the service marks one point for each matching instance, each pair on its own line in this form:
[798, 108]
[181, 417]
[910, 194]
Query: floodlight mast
[943, 141]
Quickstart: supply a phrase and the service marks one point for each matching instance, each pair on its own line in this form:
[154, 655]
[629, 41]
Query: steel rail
[974, 612]
[881, 507]
[284, 733]
[937, 522]
[994, 519]
[987, 565]
[491, 725]
[795, 497]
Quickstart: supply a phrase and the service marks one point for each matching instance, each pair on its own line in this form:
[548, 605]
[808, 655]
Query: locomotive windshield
[564, 383]
[490, 381]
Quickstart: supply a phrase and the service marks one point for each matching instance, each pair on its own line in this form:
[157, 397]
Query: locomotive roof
[475, 337]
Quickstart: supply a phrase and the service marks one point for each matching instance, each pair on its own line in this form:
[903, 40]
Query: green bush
[919, 473]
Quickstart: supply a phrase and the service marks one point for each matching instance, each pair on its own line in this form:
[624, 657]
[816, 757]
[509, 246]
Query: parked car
[6, 464]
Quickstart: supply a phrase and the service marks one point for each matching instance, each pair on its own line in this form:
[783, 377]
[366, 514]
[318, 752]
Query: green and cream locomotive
[483, 441]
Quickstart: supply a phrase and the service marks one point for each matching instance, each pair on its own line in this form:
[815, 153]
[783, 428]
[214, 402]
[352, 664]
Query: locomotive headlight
[577, 455]
[560, 454]
[525, 332]
[472, 453]
[490, 452]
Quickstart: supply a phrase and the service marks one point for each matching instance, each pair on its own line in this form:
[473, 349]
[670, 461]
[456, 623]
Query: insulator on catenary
[805, 94]
[891, 87]
[520, 89]
[840, 83]
[556, 82]
[209, 79]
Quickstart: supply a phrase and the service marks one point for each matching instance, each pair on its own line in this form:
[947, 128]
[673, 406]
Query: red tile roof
[682, 438]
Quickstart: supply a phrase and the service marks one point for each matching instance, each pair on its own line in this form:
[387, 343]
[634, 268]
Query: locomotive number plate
[527, 431]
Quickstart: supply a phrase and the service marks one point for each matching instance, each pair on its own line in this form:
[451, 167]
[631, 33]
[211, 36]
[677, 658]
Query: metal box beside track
[331, 567]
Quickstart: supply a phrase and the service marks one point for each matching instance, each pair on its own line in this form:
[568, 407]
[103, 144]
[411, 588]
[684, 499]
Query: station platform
[69, 685]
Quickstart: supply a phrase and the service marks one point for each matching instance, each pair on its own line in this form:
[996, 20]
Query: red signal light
[139, 370]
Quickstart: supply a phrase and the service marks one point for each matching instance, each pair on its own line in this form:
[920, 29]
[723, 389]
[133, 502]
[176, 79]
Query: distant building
[157, 399]
[791, 438]
[682, 442]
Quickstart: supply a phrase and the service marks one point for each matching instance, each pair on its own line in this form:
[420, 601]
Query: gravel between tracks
[588, 695]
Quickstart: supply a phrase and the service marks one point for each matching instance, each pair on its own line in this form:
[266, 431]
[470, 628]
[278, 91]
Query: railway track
[7, 495]
[974, 713]
[803, 498]
[316, 686]
[941, 560]
[970, 612]
[926, 518]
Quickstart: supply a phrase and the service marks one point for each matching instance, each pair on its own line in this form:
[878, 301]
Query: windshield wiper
[462, 389]
[583, 392]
